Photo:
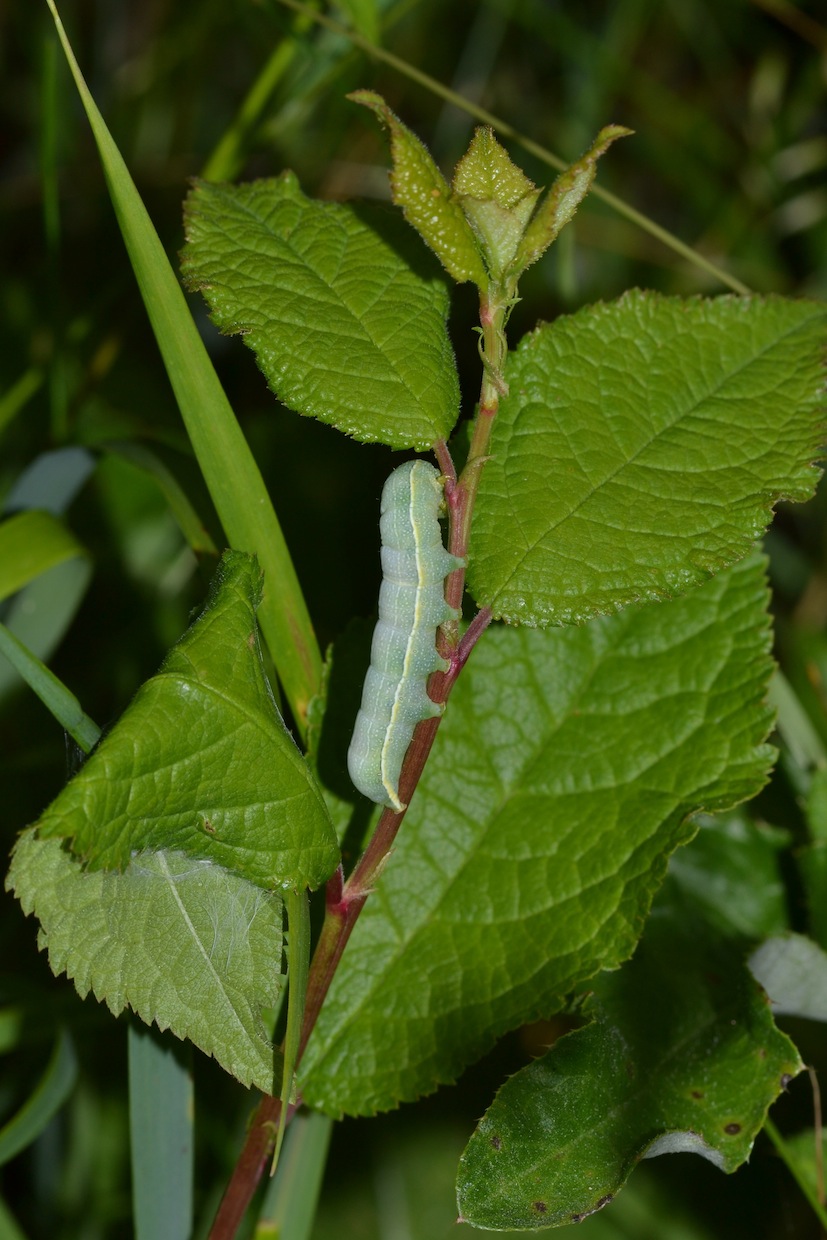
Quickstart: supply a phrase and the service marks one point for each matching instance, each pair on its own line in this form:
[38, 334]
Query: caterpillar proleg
[403, 653]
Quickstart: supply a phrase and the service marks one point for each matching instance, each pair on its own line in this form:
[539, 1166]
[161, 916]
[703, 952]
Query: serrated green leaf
[560, 781]
[202, 763]
[682, 1056]
[424, 195]
[641, 448]
[793, 971]
[341, 325]
[183, 943]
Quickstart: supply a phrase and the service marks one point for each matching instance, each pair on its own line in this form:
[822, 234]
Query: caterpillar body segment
[403, 652]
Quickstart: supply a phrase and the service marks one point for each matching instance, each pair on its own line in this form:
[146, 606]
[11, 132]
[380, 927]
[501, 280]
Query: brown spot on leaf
[732, 1129]
[697, 1093]
[207, 826]
[539, 1206]
[497, 1143]
[598, 1205]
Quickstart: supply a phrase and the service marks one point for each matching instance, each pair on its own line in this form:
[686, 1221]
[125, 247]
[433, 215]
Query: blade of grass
[794, 726]
[290, 1204]
[796, 20]
[42, 1105]
[798, 1175]
[230, 472]
[9, 1230]
[19, 394]
[40, 614]
[190, 524]
[298, 961]
[161, 1135]
[52, 692]
[540, 152]
[227, 158]
[49, 121]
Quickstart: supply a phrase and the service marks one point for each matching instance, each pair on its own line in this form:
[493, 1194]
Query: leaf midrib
[686, 412]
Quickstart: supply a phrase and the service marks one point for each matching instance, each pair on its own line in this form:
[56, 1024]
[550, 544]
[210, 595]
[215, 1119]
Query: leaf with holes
[681, 1055]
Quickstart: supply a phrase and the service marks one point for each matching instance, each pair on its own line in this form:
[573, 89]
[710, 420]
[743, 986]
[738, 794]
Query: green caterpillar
[403, 653]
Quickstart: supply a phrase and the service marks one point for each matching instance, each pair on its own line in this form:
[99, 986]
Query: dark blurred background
[727, 100]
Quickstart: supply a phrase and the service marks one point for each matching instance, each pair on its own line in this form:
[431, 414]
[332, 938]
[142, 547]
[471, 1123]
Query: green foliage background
[728, 105]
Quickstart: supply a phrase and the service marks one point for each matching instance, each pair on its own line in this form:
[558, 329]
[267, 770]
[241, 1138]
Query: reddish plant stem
[248, 1170]
[343, 904]
[446, 464]
[344, 901]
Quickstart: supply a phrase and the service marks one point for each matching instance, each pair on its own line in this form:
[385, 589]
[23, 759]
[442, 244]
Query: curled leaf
[496, 196]
[563, 199]
[424, 195]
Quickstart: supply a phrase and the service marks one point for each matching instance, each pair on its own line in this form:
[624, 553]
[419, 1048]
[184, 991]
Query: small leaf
[681, 1056]
[560, 204]
[561, 779]
[183, 943]
[793, 971]
[641, 448]
[341, 325]
[31, 543]
[424, 195]
[201, 761]
[496, 197]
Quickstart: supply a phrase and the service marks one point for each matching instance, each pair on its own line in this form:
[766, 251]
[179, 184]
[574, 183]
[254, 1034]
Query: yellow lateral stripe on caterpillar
[403, 653]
